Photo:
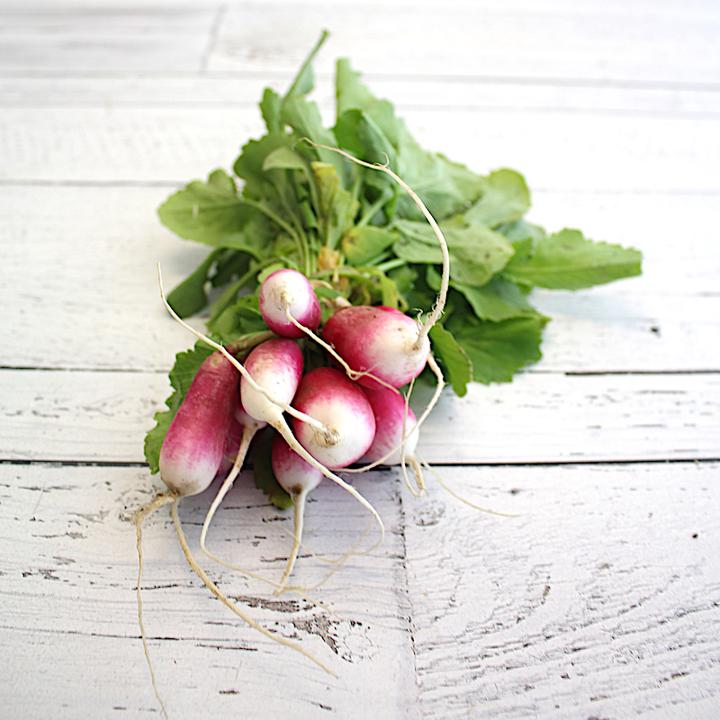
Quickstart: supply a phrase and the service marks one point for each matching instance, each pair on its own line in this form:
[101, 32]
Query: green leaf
[497, 300]
[207, 212]
[303, 116]
[271, 109]
[357, 132]
[505, 198]
[456, 362]
[284, 158]
[337, 206]
[186, 365]
[569, 261]
[189, 296]
[262, 469]
[241, 318]
[444, 186]
[250, 165]
[361, 244]
[231, 264]
[499, 350]
[476, 252]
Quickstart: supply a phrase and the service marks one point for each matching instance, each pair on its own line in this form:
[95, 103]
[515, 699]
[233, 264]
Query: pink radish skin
[194, 446]
[276, 365]
[327, 395]
[389, 410]
[288, 290]
[380, 340]
[291, 471]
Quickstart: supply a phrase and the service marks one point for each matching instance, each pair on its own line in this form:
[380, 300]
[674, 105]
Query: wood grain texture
[101, 309]
[68, 542]
[597, 599]
[583, 151]
[237, 89]
[61, 39]
[91, 416]
[601, 600]
[558, 40]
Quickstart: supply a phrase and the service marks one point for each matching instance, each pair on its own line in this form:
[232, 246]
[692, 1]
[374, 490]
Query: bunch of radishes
[337, 416]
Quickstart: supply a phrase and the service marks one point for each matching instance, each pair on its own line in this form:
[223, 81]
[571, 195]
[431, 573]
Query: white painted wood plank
[92, 416]
[70, 38]
[503, 609]
[239, 90]
[556, 150]
[68, 576]
[101, 309]
[601, 600]
[576, 40]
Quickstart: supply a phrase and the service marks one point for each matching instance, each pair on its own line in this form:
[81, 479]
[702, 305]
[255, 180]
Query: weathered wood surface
[602, 597]
[602, 600]
[94, 416]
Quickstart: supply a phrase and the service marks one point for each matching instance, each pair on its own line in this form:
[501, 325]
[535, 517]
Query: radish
[290, 308]
[277, 364]
[378, 340]
[297, 478]
[326, 394]
[288, 303]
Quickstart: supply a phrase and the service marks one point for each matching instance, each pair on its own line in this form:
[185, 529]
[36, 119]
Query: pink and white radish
[327, 395]
[277, 364]
[288, 303]
[378, 340]
[297, 478]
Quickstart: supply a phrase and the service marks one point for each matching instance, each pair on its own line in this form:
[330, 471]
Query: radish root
[139, 518]
[284, 429]
[459, 497]
[248, 433]
[213, 588]
[299, 516]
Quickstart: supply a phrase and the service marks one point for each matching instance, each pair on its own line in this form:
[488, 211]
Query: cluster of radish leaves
[290, 203]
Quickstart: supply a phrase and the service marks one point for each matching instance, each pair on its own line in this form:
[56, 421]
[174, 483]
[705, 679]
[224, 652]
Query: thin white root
[432, 364]
[237, 364]
[459, 497]
[299, 590]
[418, 472]
[144, 512]
[248, 434]
[283, 428]
[352, 374]
[439, 305]
[299, 516]
[339, 563]
[215, 590]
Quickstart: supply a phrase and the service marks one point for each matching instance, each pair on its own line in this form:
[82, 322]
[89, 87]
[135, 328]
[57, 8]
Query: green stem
[368, 216]
[324, 35]
[391, 264]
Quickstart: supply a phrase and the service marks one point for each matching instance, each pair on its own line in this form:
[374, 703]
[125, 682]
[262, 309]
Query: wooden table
[602, 600]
